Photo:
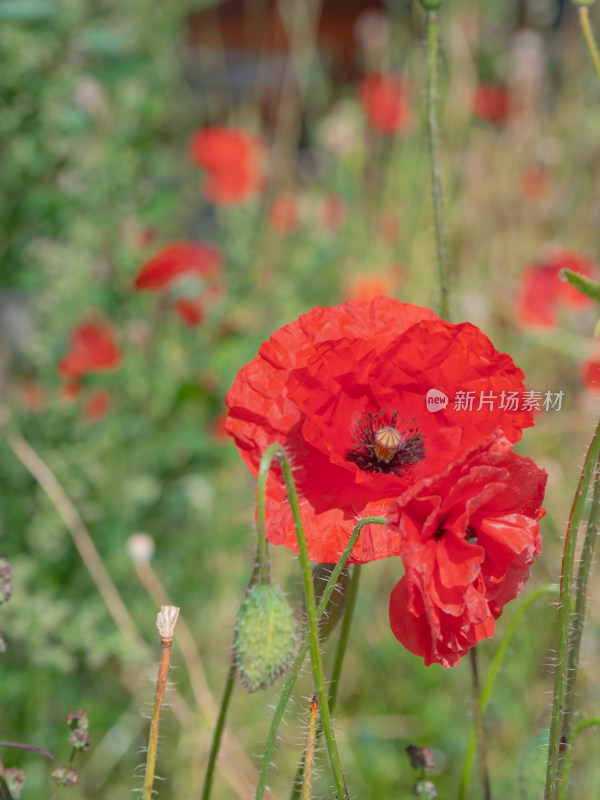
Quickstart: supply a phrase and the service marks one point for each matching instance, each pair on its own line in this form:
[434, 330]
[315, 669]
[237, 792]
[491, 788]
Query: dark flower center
[470, 534]
[383, 444]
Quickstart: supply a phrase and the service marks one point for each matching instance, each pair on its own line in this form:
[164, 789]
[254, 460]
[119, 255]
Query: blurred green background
[99, 100]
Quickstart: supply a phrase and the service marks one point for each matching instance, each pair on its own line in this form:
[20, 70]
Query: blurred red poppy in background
[535, 181]
[233, 161]
[285, 213]
[97, 405]
[92, 348]
[383, 98]
[332, 386]
[177, 259]
[468, 538]
[174, 269]
[590, 371]
[542, 290]
[332, 211]
[491, 103]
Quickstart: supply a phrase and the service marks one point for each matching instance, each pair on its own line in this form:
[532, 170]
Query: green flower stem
[297, 666]
[216, 742]
[566, 590]
[344, 636]
[497, 661]
[220, 726]
[576, 626]
[261, 488]
[436, 181]
[589, 722]
[479, 729]
[337, 667]
[584, 19]
[61, 783]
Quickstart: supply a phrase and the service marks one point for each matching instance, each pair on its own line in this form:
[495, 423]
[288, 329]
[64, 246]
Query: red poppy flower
[468, 538]
[92, 349]
[177, 259]
[97, 405]
[334, 385]
[233, 160]
[285, 214]
[542, 290]
[383, 98]
[190, 310]
[491, 103]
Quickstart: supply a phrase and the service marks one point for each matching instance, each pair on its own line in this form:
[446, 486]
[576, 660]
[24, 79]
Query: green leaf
[584, 285]
[28, 12]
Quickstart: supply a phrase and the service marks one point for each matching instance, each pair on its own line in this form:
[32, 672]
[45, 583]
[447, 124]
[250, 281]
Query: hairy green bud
[265, 636]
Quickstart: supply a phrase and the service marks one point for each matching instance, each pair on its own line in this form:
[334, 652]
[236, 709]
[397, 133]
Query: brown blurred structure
[241, 47]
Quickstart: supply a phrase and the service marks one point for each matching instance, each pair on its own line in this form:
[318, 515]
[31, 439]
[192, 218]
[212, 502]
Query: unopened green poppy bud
[265, 636]
[336, 606]
[431, 5]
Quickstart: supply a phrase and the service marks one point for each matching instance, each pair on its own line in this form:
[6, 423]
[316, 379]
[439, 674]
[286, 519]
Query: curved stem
[584, 19]
[560, 681]
[436, 180]
[297, 666]
[577, 729]
[497, 661]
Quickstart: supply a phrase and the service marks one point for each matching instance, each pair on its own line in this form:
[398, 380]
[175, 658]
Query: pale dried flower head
[166, 621]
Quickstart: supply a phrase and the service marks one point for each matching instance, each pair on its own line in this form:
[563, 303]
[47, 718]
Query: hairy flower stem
[261, 490]
[589, 722]
[480, 731]
[565, 619]
[497, 661]
[436, 180]
[576, 626]
[337, 667]
[344, 636]
[297, 666]
[309, 755]
[584, 19]
[219, 727]
[166, 625]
